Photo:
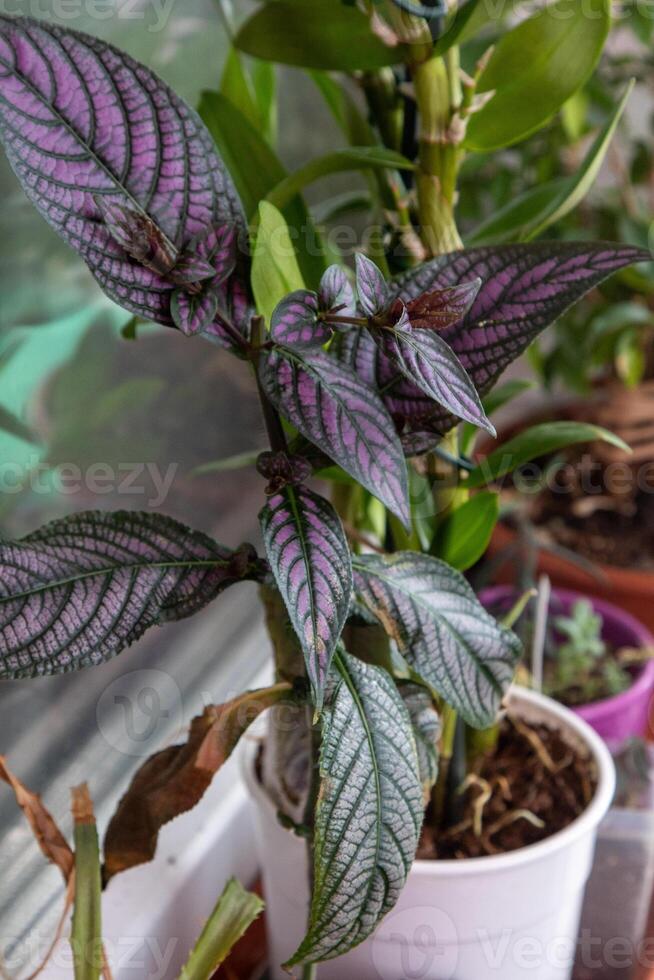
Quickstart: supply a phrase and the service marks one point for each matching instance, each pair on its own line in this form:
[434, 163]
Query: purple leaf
[295, 322]
[138, 236]
[81, 589]
[282, 470]
[524, 289]
[190, 269]
[441, 308]
[310, 560]
[80, 119]
[219, 248]
[425, 359]
[441, 629]
[371, 286]
[336, 292]
[234, 306]
[194, 312]
[331, 407]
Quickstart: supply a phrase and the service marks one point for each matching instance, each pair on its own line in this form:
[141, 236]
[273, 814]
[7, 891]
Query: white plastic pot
[508, 917]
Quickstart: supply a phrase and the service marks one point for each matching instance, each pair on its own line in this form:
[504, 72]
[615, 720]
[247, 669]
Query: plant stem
[272, 421]
[439, 792]
[438, 96]
[310, 972]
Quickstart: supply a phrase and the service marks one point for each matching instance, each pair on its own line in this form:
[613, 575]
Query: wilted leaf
[81, 589]
[174, 780]
[369, 810]
[53, 845]
[52, 842]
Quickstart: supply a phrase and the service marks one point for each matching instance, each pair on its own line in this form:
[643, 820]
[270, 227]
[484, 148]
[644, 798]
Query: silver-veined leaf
[524, 289]
[335, 410]
[80, 589]
[369, 810]
[441, 629]
[310, 559]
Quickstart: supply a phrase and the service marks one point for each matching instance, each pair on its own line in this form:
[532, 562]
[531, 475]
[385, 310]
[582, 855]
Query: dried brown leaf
[172, 781]
[48, 836]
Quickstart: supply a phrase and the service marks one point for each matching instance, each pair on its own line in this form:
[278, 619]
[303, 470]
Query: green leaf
[577, 186]
[368, 814]
[535, 68]
[506, 224]
[463, 537]
[630, 358]
[441, 630]
[538, 440]
[354, 158]
[500, 396]
[255, 170]
[236, 86]
[86, 934]
[13, 426]
[232, 916]
[253, 94]
[322, 34]
[455, 27]
[264, 81]
[238, 462]
[344, 110]
[275, 270]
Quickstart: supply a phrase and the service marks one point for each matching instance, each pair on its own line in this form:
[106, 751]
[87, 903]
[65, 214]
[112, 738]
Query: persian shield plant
[354, 378]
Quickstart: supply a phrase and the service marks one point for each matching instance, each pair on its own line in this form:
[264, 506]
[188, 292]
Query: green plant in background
[375, 635]
[582, 669]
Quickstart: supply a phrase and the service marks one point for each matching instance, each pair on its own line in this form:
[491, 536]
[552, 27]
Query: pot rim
[608, 576]
[493, 864]
[592, 711]
[579, 827]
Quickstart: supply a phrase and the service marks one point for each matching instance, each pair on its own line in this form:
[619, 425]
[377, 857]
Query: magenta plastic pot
[625, 715]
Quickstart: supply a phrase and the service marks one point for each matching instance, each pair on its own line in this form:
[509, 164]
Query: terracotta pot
[631, 590]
